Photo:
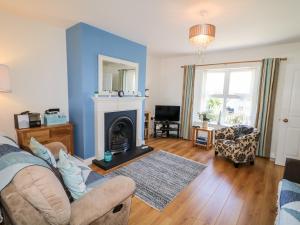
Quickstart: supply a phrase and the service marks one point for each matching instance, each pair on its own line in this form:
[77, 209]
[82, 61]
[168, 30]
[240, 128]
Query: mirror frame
[102, 58]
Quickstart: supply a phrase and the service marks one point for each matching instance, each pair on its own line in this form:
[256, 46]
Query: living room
[139, 112]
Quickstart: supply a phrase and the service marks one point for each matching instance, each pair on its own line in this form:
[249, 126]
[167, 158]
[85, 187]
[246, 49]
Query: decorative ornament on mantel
[201, 35]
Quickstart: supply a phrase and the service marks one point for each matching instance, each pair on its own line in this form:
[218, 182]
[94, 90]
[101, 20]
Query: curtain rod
[234, 62]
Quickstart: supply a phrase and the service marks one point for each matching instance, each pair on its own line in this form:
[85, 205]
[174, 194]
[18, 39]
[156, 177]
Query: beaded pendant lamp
[202, 35]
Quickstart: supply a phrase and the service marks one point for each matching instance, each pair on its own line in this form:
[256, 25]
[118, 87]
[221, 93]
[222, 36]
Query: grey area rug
[160, 176]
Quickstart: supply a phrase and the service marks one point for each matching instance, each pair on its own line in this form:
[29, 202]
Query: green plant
[203, 116]
[213, 108]
[213, 104]
[235, 119]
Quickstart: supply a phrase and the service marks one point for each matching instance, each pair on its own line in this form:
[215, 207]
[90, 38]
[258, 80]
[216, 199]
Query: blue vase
[107, 156]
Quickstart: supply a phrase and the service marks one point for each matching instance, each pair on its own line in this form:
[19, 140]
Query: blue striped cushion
[289, 203]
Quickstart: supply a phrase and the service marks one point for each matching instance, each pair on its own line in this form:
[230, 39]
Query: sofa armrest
[291, 172]
[252, 137]
[101, 200]
[220, 133]
[55, 147]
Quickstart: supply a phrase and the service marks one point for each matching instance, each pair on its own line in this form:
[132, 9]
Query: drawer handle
[118, 208]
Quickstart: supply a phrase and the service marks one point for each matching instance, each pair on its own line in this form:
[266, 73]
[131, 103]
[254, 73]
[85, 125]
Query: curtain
[187, 102]
[266, 104]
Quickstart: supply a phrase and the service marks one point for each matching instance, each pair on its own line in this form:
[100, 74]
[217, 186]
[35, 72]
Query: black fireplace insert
[120, 131]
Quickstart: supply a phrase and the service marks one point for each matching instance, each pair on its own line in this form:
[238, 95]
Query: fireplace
[119, 128]
[120, 131]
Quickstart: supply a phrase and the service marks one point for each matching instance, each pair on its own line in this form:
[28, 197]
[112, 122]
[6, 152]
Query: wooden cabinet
[45, 134]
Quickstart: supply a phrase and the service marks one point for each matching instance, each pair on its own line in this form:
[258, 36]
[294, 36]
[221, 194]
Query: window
[227, 95]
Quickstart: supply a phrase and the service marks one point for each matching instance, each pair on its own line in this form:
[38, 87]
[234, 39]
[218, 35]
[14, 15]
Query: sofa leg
[216, 153]
[236, 165]
[251, 163]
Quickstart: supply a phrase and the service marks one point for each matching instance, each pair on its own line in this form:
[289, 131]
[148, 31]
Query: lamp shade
[202, 34]
[5, 85]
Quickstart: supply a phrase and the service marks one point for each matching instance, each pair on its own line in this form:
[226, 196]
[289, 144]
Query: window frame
[226, 96]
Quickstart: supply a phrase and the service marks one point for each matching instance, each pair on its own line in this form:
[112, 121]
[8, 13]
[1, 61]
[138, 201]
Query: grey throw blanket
[12, 160]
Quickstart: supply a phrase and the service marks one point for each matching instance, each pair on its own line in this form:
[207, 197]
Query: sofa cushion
[242, 130]
[41, 151]
[72, 175]
[289, 203]
[40, 187]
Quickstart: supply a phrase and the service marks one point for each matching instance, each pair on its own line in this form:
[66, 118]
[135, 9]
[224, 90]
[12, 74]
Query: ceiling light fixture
[201, 35]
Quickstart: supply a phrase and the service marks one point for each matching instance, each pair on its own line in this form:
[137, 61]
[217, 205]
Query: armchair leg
[216, 153]
[236, 165]
[251, 163]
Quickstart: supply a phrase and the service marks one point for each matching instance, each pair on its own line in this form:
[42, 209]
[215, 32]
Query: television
[167, 113]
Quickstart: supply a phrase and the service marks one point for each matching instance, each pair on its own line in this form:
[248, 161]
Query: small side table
[210, 136]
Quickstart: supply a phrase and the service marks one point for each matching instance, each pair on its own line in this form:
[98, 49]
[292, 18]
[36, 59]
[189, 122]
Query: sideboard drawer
[61, 131]
[40, 136]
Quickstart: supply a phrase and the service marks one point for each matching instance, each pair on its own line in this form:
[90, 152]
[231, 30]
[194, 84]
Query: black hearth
[120, 138]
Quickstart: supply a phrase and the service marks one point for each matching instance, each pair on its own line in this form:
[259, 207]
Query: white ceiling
[163, 25]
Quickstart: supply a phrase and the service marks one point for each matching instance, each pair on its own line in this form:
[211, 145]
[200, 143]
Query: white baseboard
[272, 156]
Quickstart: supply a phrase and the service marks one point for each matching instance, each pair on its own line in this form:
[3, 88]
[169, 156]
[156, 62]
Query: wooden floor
[221, 194]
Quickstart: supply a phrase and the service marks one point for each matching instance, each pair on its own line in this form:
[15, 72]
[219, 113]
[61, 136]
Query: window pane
[215, 83]
[240, 82]
[238, 111]
[212, 108]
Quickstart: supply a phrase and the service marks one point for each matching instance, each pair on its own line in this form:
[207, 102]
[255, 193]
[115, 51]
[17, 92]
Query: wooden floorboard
[220, 195]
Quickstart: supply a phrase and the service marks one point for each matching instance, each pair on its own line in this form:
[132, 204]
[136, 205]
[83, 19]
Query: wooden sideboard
[45, 134]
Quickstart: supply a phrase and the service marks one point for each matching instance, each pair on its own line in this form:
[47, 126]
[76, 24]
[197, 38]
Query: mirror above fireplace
[116, 75]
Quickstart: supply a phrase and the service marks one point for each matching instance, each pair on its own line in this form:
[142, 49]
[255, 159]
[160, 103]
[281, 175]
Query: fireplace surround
[109, 110]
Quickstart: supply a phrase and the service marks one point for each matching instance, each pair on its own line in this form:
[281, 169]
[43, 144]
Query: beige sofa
[36, 197]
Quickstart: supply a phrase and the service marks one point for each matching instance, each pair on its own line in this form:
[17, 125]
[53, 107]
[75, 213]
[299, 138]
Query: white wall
[153, 72]
[166, 84]
[36, 55]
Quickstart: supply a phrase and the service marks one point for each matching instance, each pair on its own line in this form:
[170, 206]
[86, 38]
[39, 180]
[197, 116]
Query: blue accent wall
[84, 44]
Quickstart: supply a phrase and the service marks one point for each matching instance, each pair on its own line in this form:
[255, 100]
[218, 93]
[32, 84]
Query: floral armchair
[237, 143]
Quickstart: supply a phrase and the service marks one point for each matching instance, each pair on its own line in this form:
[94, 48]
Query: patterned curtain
[266, 104]
[187, 102]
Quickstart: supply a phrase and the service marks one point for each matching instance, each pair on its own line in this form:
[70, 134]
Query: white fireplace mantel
[114, 104]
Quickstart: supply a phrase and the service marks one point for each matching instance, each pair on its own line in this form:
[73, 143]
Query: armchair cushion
[242, 130]
[101, 200]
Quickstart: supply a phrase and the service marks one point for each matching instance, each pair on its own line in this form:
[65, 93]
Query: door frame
[285, 103]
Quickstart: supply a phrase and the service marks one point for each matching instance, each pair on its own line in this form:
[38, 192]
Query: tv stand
[166, 127]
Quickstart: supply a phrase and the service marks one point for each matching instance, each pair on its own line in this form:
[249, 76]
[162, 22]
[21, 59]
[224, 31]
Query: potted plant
[204, 117]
